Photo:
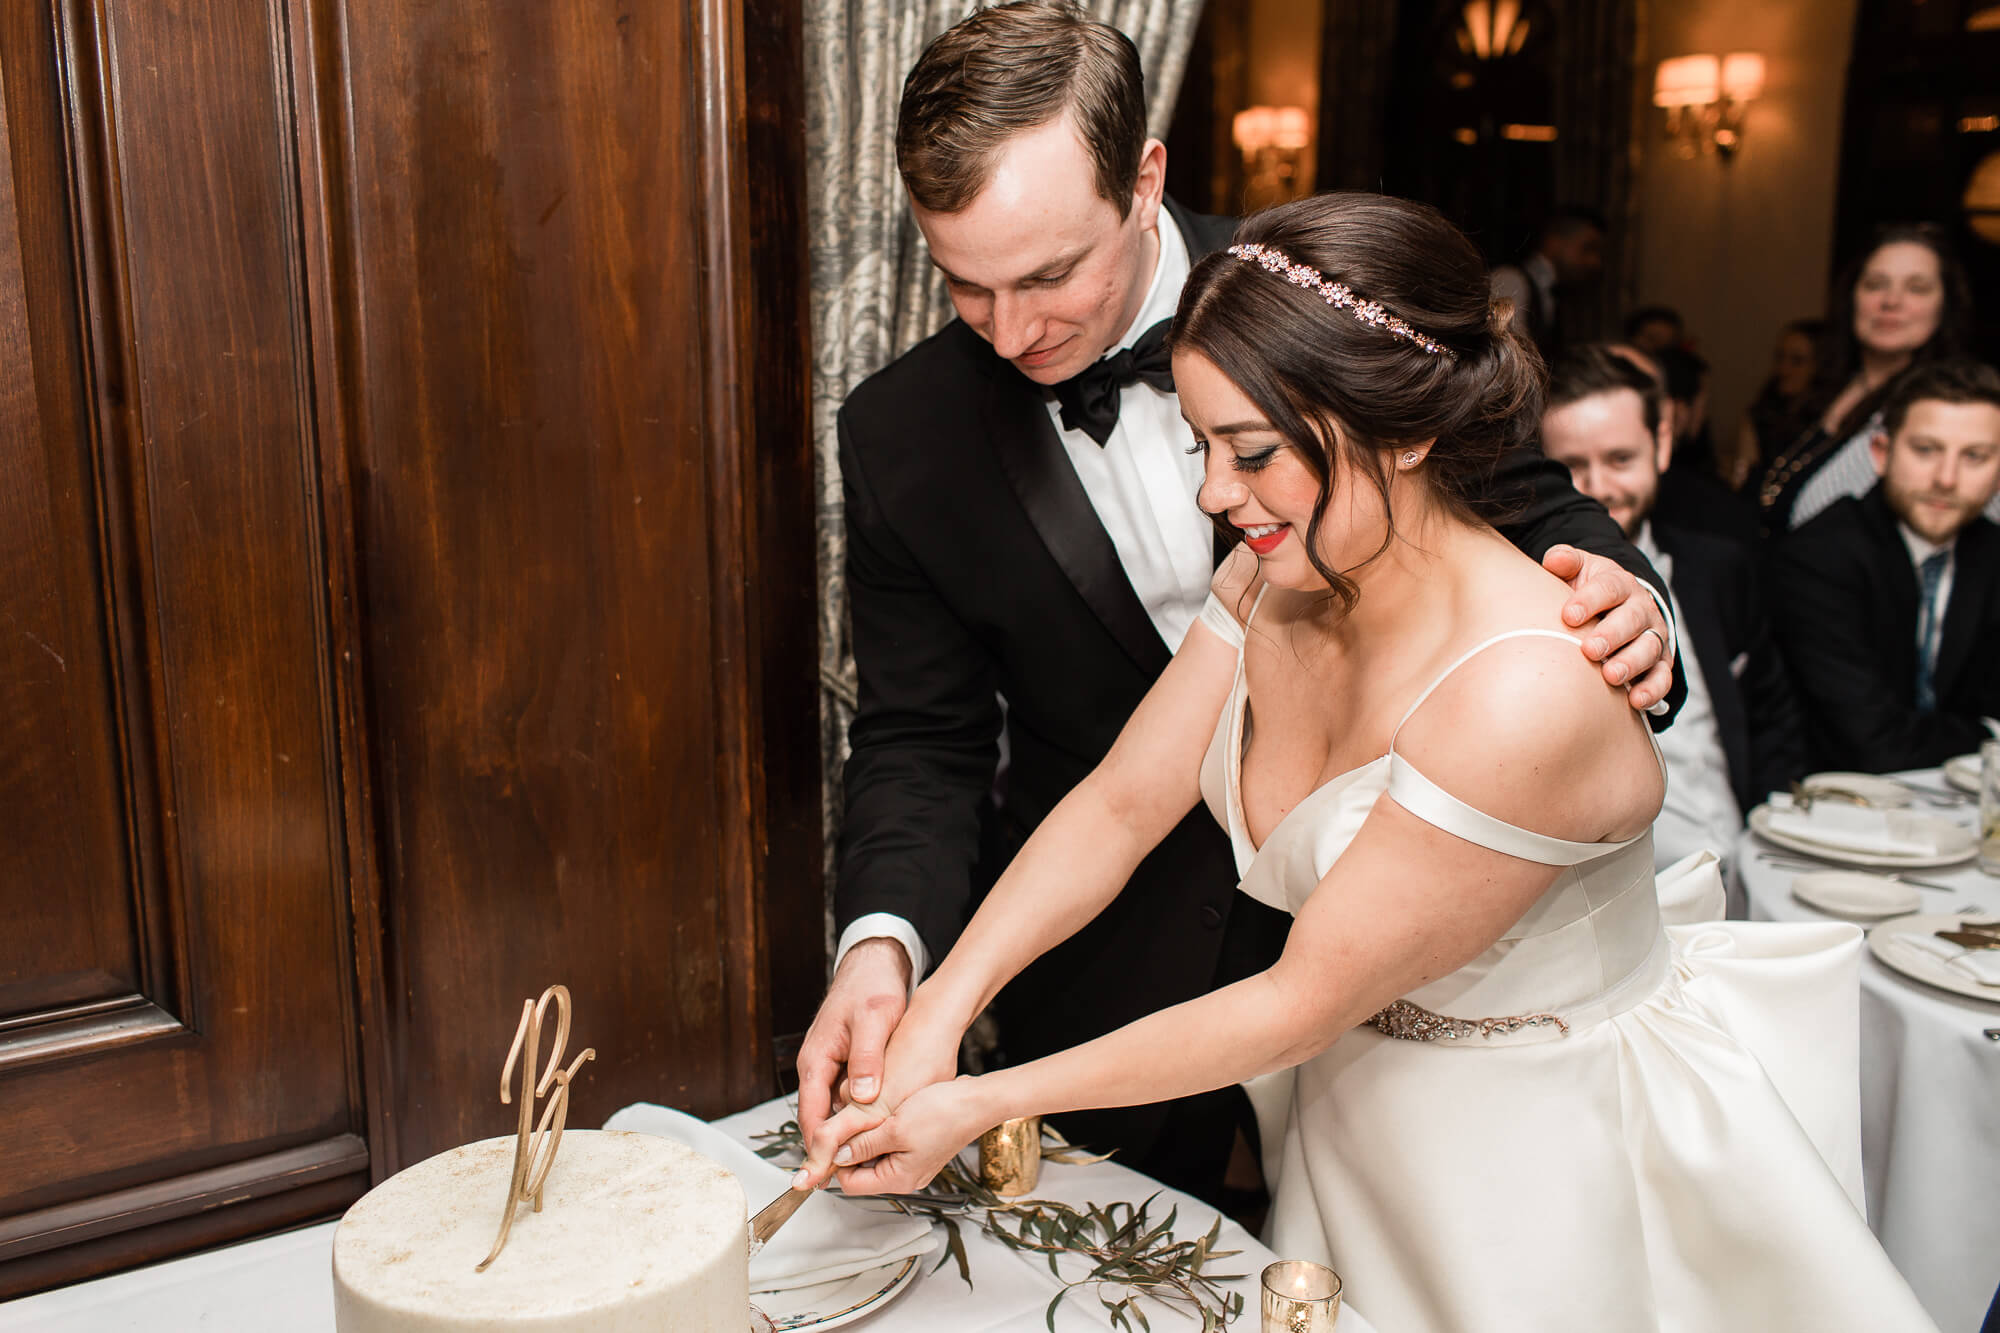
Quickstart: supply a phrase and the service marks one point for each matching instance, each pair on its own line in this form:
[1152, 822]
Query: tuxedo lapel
[1973, 573]
[1031, 455]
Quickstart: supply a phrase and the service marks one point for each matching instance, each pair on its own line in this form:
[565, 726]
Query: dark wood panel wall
[406, 588]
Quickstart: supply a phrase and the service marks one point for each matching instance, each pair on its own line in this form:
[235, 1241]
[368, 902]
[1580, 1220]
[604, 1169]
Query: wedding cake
[635, 1233]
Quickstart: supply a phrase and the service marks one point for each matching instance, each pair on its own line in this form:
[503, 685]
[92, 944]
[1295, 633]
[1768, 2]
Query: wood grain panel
[71, 938]
[538, 535]
[163, 298]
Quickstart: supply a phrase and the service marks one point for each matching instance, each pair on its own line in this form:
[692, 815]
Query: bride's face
[1255, 478]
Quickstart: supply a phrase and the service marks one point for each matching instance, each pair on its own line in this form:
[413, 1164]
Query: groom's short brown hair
[1012, 68]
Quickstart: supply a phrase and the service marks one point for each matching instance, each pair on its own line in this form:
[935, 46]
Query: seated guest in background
[1692, 492]
[1654, 328]
[1568, 254]
[1887, 607]
[1737, 737]
[1905, 302]
[1783, 409]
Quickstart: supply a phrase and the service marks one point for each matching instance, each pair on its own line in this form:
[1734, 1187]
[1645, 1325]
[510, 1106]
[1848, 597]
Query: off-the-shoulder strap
[1467, 656]
[1438, 807]
[1219, 618]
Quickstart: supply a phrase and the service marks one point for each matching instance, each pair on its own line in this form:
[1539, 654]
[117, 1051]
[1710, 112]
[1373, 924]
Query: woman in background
[1906, 301]
[1782, 410]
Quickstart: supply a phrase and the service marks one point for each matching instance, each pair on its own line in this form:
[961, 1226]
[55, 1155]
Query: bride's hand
[903, 1153]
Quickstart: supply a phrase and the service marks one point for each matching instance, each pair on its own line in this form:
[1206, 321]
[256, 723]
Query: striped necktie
[1929, 625]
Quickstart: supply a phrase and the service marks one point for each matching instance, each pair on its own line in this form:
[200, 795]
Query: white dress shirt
[1142, 483]
[1700, 810]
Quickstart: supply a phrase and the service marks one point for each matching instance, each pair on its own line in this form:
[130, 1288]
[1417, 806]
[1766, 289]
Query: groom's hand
[851, 1031]
[1626, 610]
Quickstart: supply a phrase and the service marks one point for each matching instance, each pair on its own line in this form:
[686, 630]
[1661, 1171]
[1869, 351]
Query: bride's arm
[1078, 858]
[1405, 903]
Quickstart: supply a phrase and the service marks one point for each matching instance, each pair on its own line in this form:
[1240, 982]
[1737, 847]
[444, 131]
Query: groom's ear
[1150, 186]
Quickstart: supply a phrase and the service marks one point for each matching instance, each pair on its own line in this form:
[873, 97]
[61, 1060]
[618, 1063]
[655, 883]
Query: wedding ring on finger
[1656, 634]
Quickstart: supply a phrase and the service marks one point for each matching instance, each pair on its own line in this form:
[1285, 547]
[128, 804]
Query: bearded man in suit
[1025, 554]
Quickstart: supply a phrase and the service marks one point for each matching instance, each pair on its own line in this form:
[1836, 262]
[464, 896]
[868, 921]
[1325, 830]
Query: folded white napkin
[1850, 828]
[1980, 965]
[828, 1238]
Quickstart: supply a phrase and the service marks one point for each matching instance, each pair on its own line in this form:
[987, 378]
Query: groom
[1024, 555]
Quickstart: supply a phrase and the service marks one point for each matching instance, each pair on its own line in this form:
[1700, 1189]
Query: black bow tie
[1090, 400]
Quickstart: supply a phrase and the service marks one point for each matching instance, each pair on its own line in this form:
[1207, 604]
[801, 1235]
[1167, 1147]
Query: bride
[1519, 1101]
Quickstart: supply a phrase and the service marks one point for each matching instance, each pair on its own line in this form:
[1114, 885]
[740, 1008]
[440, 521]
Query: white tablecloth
[1930, 1095]
[283, 1284]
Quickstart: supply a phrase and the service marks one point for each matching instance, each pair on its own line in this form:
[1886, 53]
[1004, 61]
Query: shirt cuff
[1992, 726]
[886, 926]
[1673, 636]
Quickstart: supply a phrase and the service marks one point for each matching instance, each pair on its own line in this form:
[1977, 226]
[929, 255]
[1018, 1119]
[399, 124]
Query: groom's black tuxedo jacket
[978, 571]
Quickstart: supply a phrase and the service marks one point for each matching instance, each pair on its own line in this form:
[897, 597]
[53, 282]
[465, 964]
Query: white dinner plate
[1877, 792]
[1851, 893]
[1963, 772]
[1923, 967]
[842, 1301]
[1955, 842]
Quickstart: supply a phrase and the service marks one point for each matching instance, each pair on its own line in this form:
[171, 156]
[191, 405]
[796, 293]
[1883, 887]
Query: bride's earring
[1410, 459]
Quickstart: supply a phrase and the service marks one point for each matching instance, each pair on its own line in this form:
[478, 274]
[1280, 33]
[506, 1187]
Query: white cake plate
[842, 1301]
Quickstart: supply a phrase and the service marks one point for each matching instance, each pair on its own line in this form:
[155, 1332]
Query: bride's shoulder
[1527, 730]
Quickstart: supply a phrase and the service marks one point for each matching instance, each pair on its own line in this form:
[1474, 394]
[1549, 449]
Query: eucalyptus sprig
[1129, 1255]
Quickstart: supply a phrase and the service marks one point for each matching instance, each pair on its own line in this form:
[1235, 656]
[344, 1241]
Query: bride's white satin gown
[1682, 1152]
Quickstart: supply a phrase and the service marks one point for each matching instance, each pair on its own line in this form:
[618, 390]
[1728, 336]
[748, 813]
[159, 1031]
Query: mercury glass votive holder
[1300, 1296]
[1010, 1156]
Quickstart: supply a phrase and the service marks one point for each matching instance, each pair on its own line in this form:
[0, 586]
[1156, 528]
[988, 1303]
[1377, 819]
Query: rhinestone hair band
[1338, 294]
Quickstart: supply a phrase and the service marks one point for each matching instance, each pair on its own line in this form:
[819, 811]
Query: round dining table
[1930, 1076]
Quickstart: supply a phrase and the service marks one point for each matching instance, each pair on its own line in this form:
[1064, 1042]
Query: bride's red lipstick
[1266, 545]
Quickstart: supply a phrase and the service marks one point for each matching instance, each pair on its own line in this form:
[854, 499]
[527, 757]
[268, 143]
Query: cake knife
[774, 1215]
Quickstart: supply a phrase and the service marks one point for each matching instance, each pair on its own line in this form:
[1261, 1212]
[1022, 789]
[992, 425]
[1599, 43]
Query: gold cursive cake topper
[536, 1143]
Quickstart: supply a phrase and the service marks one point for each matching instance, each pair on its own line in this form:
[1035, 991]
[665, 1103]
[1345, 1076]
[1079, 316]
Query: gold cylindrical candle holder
[1010, 1156]
[1300, 1296]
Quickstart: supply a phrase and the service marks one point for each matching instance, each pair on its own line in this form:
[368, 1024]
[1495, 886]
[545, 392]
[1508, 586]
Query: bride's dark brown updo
[1307, 364]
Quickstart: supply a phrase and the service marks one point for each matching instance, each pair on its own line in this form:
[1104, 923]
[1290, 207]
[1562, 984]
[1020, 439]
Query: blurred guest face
[1942, 467]
[1039, 264]
[1655, 336]
[1578, 256]
[1899, 299]
[1793, 363]
[1611, 456]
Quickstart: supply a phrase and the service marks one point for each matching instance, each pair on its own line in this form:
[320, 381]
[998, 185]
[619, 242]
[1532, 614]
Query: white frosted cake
[635, 1233]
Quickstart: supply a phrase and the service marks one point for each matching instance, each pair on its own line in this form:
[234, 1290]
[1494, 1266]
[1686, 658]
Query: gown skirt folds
[1662, 1132]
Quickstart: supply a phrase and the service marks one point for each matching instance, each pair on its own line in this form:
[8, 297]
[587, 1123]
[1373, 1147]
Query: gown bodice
[1591, 946]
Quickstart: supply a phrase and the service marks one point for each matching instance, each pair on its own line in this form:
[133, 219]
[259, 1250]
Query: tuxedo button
[1211, 917]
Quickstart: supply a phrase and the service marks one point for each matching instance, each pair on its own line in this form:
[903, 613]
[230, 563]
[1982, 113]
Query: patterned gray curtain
[874, 293]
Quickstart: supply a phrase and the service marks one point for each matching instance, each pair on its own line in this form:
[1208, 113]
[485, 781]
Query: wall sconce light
[1704, 97]
[1273, 140]
[1492, 29]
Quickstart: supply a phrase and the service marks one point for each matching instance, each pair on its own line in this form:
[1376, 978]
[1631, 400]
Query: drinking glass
[1989, 807]
[1300, 1296]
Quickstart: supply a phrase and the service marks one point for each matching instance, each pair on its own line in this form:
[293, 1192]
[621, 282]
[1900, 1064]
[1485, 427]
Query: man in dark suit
[1025, 553]
[1888, 605]
[1738, 736]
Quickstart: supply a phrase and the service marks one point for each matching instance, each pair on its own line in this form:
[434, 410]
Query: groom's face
[1039, 263]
